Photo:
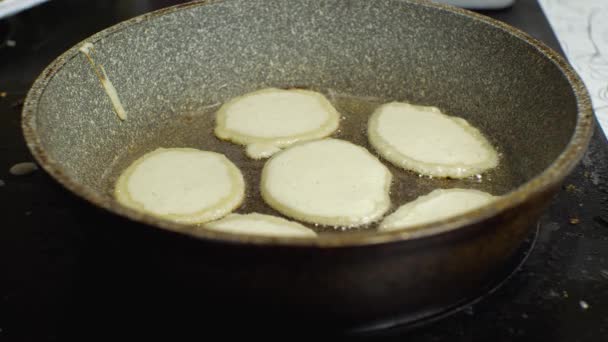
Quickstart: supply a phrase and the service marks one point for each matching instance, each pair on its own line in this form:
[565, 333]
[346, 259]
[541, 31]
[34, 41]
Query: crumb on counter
[22, 169]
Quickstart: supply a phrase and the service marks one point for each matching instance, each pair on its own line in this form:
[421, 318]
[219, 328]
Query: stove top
[52, 266]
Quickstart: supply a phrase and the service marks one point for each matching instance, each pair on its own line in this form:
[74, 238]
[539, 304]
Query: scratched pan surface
[172, 69]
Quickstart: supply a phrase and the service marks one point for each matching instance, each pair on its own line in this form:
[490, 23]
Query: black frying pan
[172, 67]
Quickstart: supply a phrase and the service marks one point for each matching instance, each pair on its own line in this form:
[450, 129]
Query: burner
[405, 323]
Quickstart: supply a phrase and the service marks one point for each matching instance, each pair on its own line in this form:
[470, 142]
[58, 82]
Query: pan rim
[549, 178]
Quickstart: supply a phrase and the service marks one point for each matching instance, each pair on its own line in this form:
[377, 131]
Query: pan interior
[173, 71]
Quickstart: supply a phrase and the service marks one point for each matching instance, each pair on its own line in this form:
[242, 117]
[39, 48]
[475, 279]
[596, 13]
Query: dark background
[65, 267]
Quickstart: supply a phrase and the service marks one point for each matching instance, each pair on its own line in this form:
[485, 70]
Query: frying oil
[195, 130]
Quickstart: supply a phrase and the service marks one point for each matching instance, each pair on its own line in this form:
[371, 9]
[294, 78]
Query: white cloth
[581, 26]
[10, 7]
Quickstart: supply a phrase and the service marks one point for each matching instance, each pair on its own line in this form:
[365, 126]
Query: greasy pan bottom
[196, 131]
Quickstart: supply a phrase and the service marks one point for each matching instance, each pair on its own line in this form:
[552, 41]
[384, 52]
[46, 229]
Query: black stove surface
[58, 266]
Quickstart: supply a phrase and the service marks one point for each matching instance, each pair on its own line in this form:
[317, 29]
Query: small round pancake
[437, 205]
[425, 140]
[329, 182]
[184, 185]
[261, 225]
[270, 119]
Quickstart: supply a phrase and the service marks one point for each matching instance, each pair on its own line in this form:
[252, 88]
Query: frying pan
[171, 68]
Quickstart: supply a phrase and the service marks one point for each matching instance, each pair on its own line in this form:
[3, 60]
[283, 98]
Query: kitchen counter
[582, 30]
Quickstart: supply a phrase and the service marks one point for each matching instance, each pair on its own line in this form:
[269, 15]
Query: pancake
[426, 141]
[261, 225]
[184, 185]
[270, 119]
[437, 205]
[328, 182]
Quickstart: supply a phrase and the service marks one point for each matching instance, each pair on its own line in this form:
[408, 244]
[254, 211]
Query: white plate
[10, 7]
